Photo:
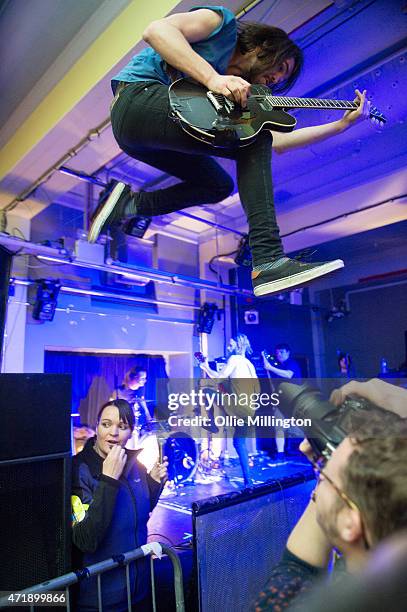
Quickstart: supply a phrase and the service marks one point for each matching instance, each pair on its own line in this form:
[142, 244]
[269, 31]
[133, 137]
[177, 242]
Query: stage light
[206, 318]
[251, 317]
[149, 453]
[46, 299]
[244, 254]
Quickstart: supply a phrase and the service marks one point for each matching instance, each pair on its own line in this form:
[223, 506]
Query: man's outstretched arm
[318, 133]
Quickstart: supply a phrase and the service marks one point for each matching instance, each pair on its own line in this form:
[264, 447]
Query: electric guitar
[222, 123]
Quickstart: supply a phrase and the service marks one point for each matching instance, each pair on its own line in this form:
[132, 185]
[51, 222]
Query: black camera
[329, 424]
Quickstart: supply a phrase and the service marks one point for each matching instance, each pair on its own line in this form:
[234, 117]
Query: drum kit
[156, 440]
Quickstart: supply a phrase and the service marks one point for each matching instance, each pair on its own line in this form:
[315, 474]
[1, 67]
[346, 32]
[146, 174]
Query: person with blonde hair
[243, 379]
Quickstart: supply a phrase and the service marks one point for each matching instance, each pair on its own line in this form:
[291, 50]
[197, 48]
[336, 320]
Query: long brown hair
[276, 47]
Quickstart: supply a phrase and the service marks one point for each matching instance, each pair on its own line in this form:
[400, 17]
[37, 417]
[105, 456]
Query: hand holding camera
[332, 421]
[387, 396]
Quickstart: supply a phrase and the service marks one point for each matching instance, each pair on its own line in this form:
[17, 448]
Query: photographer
[360, 499]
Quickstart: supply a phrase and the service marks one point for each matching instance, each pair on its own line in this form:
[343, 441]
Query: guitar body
[216, 120]
[226, 127]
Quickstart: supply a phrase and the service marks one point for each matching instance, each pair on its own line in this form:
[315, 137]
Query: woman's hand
[114, 463]
[159, 471]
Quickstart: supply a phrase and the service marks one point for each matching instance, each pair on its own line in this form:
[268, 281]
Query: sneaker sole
[297, 279]
[104, 212]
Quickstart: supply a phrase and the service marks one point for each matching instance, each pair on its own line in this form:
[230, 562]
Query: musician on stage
[131, 390]
[209, 45]
[238, 369]
[281, 366]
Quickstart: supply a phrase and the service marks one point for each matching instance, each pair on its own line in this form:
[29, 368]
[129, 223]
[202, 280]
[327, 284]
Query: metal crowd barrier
[30, 597]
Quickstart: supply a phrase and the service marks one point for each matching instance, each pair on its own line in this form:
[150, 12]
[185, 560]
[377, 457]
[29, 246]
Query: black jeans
[144, 130]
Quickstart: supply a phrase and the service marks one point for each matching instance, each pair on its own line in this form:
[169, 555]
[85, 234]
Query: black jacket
[112, 520]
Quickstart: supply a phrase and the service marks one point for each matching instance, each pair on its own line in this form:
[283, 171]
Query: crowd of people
[357, 508]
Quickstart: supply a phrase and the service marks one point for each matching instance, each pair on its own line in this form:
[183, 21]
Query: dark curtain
[95, 377]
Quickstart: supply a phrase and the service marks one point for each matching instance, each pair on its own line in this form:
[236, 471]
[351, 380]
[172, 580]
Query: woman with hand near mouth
[112, 498]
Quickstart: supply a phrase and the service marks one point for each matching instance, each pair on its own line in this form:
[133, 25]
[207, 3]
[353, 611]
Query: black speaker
[6, 259]
[239, 537]
[35, 467]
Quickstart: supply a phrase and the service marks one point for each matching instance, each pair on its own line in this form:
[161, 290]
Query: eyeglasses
[348, 501]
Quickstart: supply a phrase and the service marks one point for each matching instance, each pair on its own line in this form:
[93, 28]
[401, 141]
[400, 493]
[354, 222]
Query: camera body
[330, 424]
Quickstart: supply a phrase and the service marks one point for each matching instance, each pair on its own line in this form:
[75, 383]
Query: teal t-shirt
[217, 50]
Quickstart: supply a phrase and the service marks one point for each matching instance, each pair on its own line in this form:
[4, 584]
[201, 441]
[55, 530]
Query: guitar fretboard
[285, 102]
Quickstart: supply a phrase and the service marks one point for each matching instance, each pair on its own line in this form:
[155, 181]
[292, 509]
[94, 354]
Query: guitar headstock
[376, 116]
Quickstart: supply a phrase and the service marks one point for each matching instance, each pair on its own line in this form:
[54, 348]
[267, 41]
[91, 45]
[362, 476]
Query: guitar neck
[285, 102]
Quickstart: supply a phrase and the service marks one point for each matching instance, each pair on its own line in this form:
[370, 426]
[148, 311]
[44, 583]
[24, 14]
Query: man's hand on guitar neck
[360, 114]
[318, 133]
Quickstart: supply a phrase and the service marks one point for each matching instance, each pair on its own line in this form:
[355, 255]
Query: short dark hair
[276, 47]
[283, 346]
[133, 373]
[375, 475]
[126, 412]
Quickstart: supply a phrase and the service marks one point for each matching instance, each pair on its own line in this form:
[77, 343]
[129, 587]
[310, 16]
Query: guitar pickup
[212, 99]
[220, 103]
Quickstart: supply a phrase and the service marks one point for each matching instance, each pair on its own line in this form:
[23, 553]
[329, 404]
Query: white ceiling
[347, 44]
